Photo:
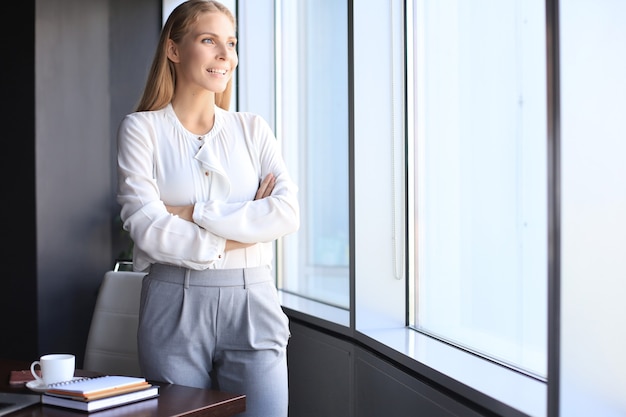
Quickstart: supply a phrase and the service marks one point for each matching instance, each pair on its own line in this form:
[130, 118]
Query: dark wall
[70, 73]
[18, 299]
[72, 161]
[331, 376]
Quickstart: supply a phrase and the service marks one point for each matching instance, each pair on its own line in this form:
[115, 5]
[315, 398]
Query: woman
[204, 192]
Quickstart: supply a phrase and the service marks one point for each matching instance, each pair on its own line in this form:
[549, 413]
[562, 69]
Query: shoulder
[144, 118]
[142, 128]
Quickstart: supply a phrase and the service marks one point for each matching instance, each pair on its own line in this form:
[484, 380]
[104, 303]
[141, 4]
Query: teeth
[214, 71]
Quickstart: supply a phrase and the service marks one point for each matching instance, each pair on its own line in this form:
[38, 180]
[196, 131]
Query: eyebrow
[215, 35]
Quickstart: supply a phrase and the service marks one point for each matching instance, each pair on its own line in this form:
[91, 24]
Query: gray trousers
[220, 328]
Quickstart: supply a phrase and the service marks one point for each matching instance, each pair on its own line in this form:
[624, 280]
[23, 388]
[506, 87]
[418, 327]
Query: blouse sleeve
[162, 237]
[261, 220]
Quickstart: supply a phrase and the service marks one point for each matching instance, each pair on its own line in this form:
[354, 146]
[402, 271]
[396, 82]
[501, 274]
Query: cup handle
[32, 371]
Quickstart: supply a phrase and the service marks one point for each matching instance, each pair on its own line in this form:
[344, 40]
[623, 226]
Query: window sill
[314, 311]
[483, 382]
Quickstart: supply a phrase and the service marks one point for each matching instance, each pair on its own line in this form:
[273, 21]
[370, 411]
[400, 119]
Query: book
[97, 387]
[19, 378]
[103, 394]
[102, 403]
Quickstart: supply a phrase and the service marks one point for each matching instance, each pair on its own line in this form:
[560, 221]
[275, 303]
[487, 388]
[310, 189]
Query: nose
[221, 52]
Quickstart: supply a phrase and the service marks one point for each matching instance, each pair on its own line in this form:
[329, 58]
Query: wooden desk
[173, 400]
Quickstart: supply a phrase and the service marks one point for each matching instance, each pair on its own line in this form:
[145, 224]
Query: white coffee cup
[56, 367]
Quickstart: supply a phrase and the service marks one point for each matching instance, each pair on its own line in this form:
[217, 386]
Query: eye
[232, 44]
[208, 40]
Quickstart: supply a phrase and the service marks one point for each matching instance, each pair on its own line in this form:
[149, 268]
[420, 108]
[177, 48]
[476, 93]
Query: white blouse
[160, 162]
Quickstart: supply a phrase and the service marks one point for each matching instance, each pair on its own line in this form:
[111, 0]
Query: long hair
[159, 89]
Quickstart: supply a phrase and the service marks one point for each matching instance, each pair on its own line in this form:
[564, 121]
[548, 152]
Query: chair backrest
[112, 340]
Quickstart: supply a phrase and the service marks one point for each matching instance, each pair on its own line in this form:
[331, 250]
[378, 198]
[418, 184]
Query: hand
[233, 244]
[266, 187]
[184, 212]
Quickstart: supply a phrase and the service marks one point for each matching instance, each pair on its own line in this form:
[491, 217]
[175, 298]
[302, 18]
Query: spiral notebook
[97, 387]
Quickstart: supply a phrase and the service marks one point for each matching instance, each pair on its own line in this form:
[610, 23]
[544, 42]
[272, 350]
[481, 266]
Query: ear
[172, 51]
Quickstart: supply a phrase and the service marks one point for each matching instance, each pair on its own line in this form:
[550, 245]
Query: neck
[196, 113]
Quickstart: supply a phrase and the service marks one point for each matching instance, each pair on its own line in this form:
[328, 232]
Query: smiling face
[206, 56]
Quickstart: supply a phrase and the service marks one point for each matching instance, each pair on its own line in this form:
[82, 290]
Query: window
[368, 96]
[479, 170]
[313, 123]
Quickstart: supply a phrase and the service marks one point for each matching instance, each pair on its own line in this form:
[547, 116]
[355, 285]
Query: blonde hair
[159, 89]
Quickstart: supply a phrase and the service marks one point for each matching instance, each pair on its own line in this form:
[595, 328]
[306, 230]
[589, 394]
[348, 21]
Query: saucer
[38, 386]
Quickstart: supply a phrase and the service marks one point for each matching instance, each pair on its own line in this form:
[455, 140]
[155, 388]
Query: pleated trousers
[222, 329]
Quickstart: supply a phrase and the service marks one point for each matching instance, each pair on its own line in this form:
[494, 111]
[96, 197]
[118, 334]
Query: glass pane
[592, 365]
[313, 108]
[481, 177]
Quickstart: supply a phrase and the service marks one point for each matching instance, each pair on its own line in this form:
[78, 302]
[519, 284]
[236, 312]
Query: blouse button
[199, 137]
[206, 173]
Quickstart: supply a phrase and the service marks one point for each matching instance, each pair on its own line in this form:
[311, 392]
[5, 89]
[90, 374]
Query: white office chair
[112, 340]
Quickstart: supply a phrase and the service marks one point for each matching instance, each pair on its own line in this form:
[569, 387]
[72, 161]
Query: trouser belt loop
[187, 274]
[245, 281]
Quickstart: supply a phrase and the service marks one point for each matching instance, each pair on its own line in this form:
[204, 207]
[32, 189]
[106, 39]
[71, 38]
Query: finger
[261, 191]
[266, 187]
[268, 179]
[270, 187]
